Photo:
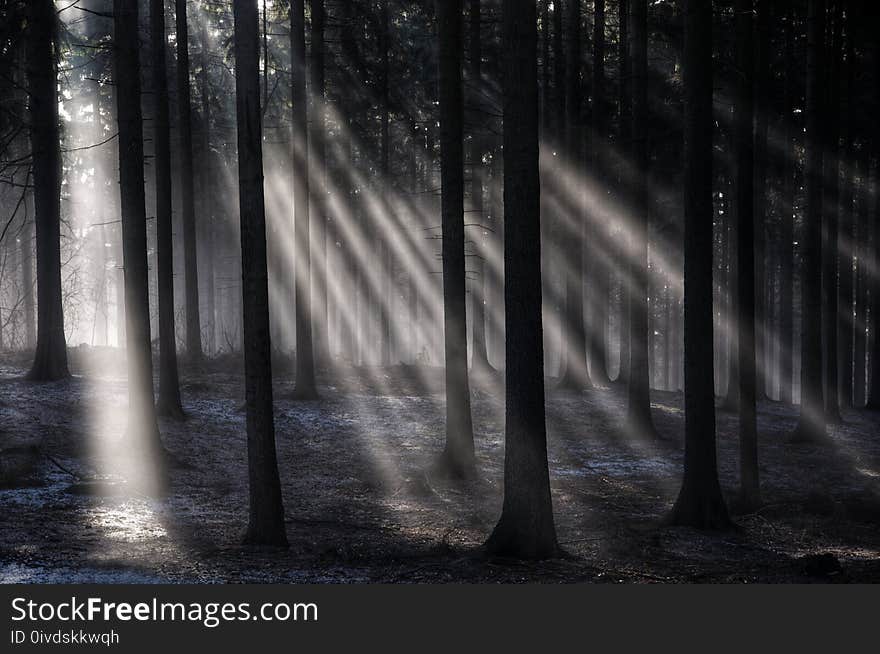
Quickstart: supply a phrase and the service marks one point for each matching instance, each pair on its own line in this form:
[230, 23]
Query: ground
[361, 507]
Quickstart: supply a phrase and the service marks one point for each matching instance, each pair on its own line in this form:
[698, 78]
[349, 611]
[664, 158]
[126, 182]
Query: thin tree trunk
[306, 388]
[50, 357]
[458, 456]
[640, 422]
[811, 424]
[169, 385]
[320, 280]
[143, 431]
[786, 237]
[187, 194]
[762, 96]
[744, 142]
[526, 528]
[623, 180]
[266, 521]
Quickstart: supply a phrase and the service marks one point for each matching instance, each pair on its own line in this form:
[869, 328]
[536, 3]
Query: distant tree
[266, 522]
[50, 357]
[318, 145]
[458, 456]
[143, 431]
[187, 193]
[873, 388]
[169, 384]
[638, 389]
[526, 529]
[306, 388]
[744, 153]
[624, 124]
[811, 425]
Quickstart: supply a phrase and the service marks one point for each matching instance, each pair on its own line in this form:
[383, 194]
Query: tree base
[270, 537]
[513, 539]
[305, 394]
[453, 468]
[171, 409]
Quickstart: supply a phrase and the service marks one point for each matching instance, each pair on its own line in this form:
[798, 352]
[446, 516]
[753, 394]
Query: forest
[320, 291]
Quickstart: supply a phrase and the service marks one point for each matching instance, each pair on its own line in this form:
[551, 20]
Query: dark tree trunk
[700, 503]
[860, 347]
[266, 522]
[27, 278]
[762, 120]
[143, 431]
[320, 310]
[830, 215]
[50, 357]
[872, 394]
[599, 274]
[209, 187]
[847, 241]
[786, 233]
[744, 143]
[385, 290]
[526, 528]
[811, 425]
[306, 388]
[458, 457]
[575, 374]
[623, 179]
[169, 385]
[640, 423]
[479, 353]
[187, 194]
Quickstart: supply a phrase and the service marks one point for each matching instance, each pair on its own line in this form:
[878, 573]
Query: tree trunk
[846, 238]
[700, 503]
[169, 385]
[830, 215]
[143, 431]
[187, 194]
[872, 394]
[640, 423]
[744, 143]
[623, 181]
[811, 424]
[762, 119]
[50, 357]
[786, 234]
[575, 373]
[306, 388]
[320, 281]
[266, 522]
[525, 529]
[458, 456]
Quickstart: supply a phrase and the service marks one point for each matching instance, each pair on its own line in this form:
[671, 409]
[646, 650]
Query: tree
[50, 357]
[811, 423]
[143, 431]
[266, 521]
[187, 193]
[624, 123]
[306, 388]
[744, 144]
[700, 503]
[873, 388]
[169, 385]
[640, 422]
[575, 374]
[458, 456]
[526, 528]
[320, 310]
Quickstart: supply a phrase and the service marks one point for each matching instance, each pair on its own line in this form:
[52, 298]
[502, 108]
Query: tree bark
[169, 385]
[50, 357]
[187, 194]
[266, 521]
[525, 529]
[458, 456]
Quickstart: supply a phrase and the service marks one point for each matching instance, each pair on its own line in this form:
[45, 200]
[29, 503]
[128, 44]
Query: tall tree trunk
[575, 373]
[786, 234]
[458, 456]
[143, 430]
[830, 215]
[320, 281]
[862, 276]
[623, 180]
[169, 385]
[847, 222]
[526, 528]
[306, 388]
[27, 277]
[744, 143]
[50, 357]
[700, 503]
[479, 354]
[266, 522]
[208, 189]
[872, 394]
[187, 194]
[811, 424]
[640, 422]
[762, 96]
[599, 273]
[384, 293]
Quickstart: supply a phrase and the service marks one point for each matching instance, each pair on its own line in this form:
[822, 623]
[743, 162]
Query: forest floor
[361, 507]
